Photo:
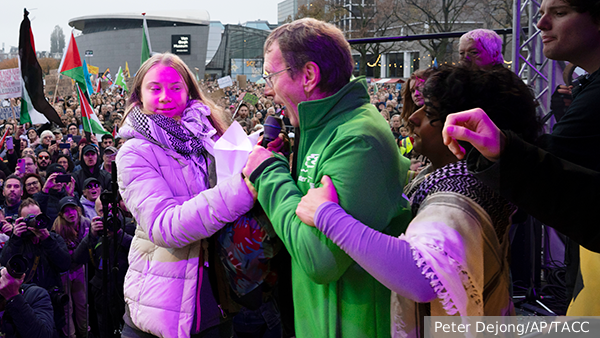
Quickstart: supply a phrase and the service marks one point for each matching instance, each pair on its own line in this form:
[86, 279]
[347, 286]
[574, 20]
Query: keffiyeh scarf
[186, 137]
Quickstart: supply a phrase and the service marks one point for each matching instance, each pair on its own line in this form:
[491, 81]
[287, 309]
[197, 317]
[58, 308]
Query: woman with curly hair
[452, 260]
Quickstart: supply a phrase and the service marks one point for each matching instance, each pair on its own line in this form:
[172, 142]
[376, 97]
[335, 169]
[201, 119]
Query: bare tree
[9, 63]
[57, 40]
[319, 9]
[434, 16]
[357, 19]
[48, 64]
[498, 14]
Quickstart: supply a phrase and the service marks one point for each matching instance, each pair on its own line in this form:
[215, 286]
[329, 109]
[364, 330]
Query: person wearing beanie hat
[53, 190]
[90, 167]
[46, 143]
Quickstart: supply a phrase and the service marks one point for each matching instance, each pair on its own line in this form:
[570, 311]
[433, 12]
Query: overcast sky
[45, 14]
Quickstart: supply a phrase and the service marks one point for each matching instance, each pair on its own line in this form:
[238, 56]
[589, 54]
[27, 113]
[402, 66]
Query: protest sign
[241, 79]
[225, 82]
[10, 83]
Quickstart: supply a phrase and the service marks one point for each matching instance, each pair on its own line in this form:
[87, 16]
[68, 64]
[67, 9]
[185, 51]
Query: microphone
[273, 126]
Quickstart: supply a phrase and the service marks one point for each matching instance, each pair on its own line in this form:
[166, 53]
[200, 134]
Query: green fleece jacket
[342, 136]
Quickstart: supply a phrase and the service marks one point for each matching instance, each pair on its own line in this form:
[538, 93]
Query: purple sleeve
[387, 258]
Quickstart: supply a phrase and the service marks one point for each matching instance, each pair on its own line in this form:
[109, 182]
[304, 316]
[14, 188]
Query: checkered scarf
[186, 137]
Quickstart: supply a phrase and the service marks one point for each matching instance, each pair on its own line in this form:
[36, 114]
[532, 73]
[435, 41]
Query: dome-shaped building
[110, 40]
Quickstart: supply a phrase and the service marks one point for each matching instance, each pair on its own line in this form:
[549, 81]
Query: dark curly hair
[499, 92]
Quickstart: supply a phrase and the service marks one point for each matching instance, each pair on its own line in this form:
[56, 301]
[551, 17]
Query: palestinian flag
[115, 132]
[90, 121]
[71, 64]
[34, 107]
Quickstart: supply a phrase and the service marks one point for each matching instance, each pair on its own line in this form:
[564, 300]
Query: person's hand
[50, 182]
[70, 187]
[20, 227]
[53, 148]
[42, 234]
[257, 156]
[314, 198]
[9, 286]
[97, 226]
[475, 127]
[19, 131]
[276, 145]
[7, 228]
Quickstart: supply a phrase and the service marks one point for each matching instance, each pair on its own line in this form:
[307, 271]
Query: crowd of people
[381, 216]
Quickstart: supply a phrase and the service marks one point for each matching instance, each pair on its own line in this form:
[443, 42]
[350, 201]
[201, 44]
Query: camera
[16, 267]
[40, 221]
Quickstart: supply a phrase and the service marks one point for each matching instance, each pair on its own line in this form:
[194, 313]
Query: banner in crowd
[225, 82]
[252, 68]
[10, 83]
[10, 112]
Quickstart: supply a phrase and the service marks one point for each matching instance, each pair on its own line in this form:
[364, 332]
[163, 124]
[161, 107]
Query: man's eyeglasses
[268, 76]
[42, 157]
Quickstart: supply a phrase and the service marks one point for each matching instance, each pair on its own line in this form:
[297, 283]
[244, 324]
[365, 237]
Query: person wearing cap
[73, 226]
[53, 191]
[91, 192]
[90, 167]
[110, 153]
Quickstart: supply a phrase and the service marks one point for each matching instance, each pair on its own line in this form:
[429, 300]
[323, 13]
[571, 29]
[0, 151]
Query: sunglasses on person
[92, 186]
[42, 157]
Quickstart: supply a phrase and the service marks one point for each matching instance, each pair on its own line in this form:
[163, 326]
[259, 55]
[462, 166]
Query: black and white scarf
[186, 137]
[455, 177]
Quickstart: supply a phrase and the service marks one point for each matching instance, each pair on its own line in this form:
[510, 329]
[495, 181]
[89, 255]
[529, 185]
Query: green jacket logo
[311, 161]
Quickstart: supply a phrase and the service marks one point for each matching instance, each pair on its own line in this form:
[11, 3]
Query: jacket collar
[315, 113]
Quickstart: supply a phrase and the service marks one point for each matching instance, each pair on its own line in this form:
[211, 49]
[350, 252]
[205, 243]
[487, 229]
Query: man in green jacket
[308, 68]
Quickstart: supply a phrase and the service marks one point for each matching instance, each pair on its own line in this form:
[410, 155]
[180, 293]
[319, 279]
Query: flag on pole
[120, 80]
[92, 69]
[88, 78]
[115, 131]
[34, 107]
[99, 89]
[127, 70]
[146, 46]
[90, 120]
[71, 64]
[6, 131]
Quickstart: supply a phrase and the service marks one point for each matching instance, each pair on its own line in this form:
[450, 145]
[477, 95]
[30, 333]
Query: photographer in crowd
[119, 241]
[25, 309]
[45, 251]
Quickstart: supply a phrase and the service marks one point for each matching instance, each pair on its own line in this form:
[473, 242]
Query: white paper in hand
[231, 151]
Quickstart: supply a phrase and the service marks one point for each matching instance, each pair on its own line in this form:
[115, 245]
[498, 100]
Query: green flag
[120, 80]
[146, 46]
